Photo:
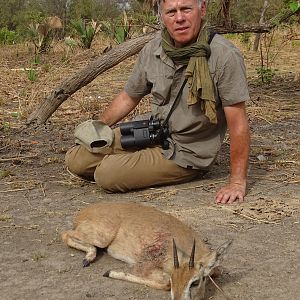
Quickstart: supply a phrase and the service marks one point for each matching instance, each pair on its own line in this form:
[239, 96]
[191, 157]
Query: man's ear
[203, 8]
[213, 259]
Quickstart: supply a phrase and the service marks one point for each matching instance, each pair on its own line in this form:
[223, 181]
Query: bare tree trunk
[64, 90]
[226, 13]
[261, 20]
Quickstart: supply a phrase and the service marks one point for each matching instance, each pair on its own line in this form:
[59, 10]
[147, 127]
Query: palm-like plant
[86, 31]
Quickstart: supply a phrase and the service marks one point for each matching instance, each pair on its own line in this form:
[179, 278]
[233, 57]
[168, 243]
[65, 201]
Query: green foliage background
[245, 11]
[16, 15]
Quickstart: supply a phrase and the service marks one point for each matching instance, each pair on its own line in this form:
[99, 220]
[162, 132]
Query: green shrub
[8, 36]
[120, 31]
[266, 74]
[245, 37]
[230, 36]
[85, 31]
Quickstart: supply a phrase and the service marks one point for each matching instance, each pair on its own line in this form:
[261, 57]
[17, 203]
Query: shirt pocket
[161, 87]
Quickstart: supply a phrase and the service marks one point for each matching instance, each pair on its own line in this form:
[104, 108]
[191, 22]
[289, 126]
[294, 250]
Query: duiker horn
[192, 258]
[176, 262]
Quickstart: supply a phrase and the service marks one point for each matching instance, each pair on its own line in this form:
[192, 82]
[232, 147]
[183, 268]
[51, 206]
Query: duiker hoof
[85, 263]
[106, 274]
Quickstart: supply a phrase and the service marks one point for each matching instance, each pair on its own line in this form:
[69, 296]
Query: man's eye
[195, 283]
[170, 13]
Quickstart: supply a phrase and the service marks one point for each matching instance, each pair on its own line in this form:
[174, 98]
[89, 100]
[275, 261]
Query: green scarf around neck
[195, 57]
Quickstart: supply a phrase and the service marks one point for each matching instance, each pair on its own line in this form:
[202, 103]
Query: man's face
[182, 19]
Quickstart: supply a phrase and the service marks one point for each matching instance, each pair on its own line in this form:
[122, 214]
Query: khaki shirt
[194, 141]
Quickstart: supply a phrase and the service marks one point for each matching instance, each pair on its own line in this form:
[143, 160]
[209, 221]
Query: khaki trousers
[119, 170]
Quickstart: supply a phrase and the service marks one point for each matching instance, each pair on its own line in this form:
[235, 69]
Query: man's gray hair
[159, 2]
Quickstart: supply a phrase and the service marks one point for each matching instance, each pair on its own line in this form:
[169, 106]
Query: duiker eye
[195, 283]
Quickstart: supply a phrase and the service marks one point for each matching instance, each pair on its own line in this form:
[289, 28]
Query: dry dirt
[39, 198]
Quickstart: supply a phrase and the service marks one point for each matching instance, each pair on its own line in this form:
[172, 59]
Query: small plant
[265, 74]
[293, 5]
[5, 126]
[70, 44]
[37, 256]
[35, 37]
[120, 32]
[36, 60]
[86, 31]
[245, 37]
[42, 34]
[32, 74]
[15, 114]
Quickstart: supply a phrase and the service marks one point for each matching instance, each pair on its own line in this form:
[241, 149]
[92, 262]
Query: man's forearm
[239, 134]
[239, 155]
[119, 108]
[239, 142]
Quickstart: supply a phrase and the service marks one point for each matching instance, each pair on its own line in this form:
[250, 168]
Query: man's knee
[111, 178]
[72, 162]
[75, 162]
[105, 176]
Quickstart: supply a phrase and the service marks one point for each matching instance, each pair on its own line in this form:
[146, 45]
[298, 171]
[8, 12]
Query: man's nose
[179, 17]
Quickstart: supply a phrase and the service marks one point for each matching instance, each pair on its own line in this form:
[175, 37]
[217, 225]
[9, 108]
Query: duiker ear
[212, 260]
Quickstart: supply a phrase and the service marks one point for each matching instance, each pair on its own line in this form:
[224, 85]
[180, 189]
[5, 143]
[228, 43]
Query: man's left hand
[230, 193]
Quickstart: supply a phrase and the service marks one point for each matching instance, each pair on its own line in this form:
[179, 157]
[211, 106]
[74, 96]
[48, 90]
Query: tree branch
[68, 87]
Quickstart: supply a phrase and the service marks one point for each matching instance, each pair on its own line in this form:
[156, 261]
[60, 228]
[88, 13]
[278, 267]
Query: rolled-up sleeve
[137, 84]
[232, 81]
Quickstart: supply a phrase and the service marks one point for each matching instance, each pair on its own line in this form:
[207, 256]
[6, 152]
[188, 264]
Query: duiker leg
[157, 279]
[72, 239]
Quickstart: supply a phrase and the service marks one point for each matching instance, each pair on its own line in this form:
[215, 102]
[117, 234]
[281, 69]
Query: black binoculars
[143, 133]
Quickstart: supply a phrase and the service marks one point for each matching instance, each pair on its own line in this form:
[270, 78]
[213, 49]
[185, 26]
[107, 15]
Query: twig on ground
[287, 162]
[17, 158]
[260, 117]
[248, 217]
[269, 178]
[79, 194]
[43, 189]
[17, 190]
[14, 226]
[159, 191]
[2, 148]
[221, 290]
[79, 178]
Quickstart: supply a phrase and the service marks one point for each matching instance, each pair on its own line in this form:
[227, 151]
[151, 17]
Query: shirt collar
[160, 53]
